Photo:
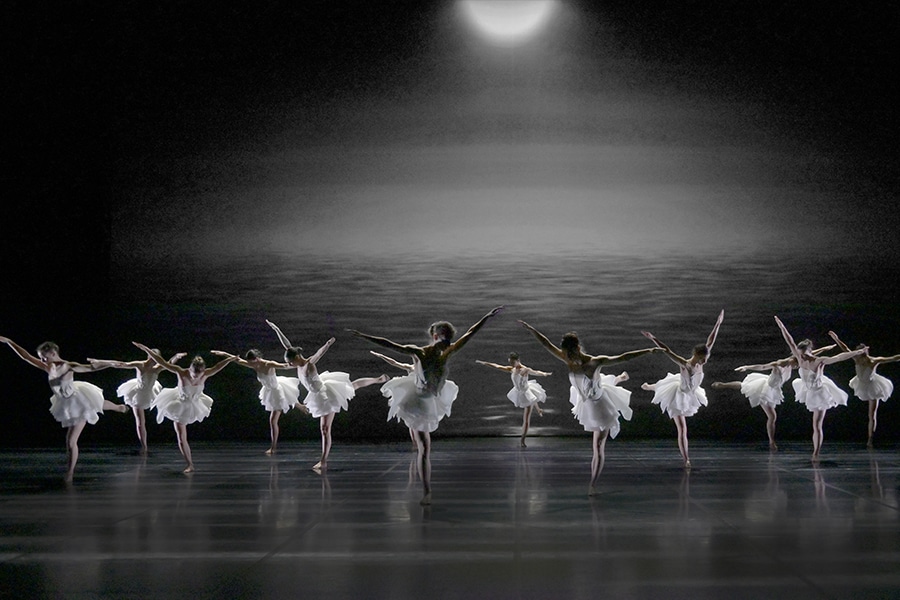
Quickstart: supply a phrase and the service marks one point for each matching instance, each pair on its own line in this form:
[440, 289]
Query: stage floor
[505, 522]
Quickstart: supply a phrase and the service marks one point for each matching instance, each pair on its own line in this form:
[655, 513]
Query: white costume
[74, 401]
[328, 392]
[816, 391]
[525, 392]
[679, 394]
[869, 385]
[409, 400]
[278, 393]
[760, 388]
[184, 404]
[598, 403]
[140, 391]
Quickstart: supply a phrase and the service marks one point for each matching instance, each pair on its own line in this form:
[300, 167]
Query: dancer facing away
[328, 391]
[868, 385]
[597, 400]
[812, 388]
[278, 394]
[186, 403]
[765, 390]
[525, 394]
[138, 393]
[425, 396]
[74, 403]
[679, 394]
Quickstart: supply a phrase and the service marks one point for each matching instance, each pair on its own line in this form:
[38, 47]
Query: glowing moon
[508, 22]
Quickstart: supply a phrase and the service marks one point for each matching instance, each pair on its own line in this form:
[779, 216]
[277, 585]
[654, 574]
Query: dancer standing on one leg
[186, 403]
[525, 394]
[278, 394]
[868, 385]
[328, 391]
[597, 400]
[679, 394]
[763, 390]
[138, 393]
[817, 392]
[425, 396]
[74, 403]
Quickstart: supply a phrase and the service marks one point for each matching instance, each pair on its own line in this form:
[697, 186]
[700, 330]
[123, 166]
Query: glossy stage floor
[505, 522]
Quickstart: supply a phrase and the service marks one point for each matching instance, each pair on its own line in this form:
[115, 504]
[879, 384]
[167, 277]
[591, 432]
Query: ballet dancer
[812, 388]
[278, 394]
[186, 403]
[425, 396]
[328, 391]
[74, 403]
[525, 394]
[763, 390]
[597, 399]
[868, 385]
[409, 368]
[138, 393]
[679, 394]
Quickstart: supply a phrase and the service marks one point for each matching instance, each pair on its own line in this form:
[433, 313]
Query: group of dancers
[424, 395]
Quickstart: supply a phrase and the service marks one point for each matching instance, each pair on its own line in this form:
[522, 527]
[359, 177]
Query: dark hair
[513, 356]
[252, 354]
[860, 346]
[805, 345]
[445, 330]
[570, 343]
[198, 362]
[48, 347]
[701, 350]
[292, 353]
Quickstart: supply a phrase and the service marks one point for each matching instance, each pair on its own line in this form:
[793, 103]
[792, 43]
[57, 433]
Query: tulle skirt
[170, 404]
[283, 397]
[420, 411]
[602, 413]
[674, 401]
[84, 404]
[531, 396]
[334, 395]
[756, 388]
[877, 388]
[136, 395]
[827, 396]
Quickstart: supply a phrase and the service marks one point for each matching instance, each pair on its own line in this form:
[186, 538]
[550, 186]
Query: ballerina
[597, 399]
[74, 403]
[425, 396]
[868, 385]
[525, 394]
[763, 390]
[186, 403]
[679, 394]
[328, 391]
[138, 393]
[812, 388]
[278, 394]
[409, 368]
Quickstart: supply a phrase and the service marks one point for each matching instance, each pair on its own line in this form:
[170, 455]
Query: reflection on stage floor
[506, 522]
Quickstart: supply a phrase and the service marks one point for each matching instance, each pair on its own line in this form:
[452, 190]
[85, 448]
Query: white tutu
[329, 393]
[818, 393]
[756, 387]
[873, 387]
[182, 406]
[279, 393]
[598, 403]
[420, 410]
[677, 399]
[135, 392]
[76, 401]
[526, 393]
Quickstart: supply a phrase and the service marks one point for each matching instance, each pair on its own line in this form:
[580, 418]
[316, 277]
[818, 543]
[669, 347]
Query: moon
[508, 22]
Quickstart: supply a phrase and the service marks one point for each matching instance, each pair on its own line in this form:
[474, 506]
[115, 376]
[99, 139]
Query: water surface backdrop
[197, 306]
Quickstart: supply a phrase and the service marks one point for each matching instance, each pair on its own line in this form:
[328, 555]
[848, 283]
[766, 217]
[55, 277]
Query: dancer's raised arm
[545, 342]
[789, 339]
[715, 331]
[668, 351]
[210, 371]
[602, 360]
[394, 363]
[464, 338]
[404, 348]
[286, 343]
[321, 351]
[505, 368]
[162, 362]
[24, 354]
